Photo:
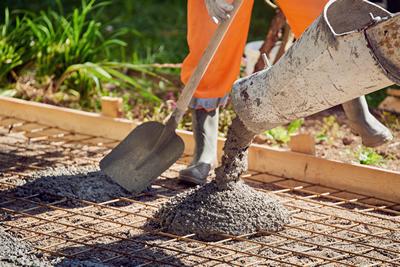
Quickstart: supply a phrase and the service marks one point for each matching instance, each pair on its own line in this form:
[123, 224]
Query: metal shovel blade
[136, 162]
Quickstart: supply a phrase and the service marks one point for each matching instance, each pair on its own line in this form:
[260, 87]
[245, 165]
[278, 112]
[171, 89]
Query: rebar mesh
[329, 227]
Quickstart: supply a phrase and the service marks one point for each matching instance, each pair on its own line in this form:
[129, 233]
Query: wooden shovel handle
[208, 55]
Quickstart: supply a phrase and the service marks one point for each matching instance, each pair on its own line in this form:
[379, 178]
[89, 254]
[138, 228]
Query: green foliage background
[155, 30]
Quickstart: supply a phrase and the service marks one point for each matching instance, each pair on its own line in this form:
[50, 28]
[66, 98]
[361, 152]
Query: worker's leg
[362, 122]
[215, 86]
[225, 66]
[205, 130]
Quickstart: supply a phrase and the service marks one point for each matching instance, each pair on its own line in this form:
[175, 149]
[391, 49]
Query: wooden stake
[302, 143]
[111, 106]
[393, 92]
[391, 103]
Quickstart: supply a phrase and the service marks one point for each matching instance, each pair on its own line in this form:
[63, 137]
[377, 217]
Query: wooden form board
[393, 92]
[360, 179]
[370, 181]
[68, 119]
[391, 103]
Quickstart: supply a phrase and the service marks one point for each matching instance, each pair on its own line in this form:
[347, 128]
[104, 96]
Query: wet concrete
[79, 263]
[14, 252]
[210, 212]
[234, 160]
[87, 183]
[226, 205]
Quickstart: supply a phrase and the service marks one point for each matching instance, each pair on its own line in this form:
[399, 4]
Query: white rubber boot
[205, 130]
[373, 133]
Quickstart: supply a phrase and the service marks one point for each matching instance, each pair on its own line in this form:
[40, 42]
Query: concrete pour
[209, 212]
[226, 205]
[234, 160]
[87, 183]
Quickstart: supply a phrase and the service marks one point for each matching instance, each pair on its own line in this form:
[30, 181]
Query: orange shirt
[225, 67]
[301, 13]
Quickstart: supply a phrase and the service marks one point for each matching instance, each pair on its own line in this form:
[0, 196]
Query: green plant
[10, 54]
[329, 130]
[9, 58]
[282, 134]
[61, 41]
[107, 72]
[369, 156]
[391, 120]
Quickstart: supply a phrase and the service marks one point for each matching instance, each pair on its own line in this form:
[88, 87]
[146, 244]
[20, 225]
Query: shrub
[61, 41]
[12, 45]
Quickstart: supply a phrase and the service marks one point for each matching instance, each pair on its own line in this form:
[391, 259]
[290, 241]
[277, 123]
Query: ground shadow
[64, 188]
[20, 163]
[133, 250]
[74, 187]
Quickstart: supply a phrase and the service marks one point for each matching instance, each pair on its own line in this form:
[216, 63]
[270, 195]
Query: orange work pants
[225, 66]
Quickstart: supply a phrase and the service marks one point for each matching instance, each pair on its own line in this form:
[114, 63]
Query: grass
[71, 52]
[61, 41]
[13, 43]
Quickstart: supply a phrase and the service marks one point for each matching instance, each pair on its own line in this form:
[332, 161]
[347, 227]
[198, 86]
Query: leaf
[8, 93]
[321, 137]
[294, 126]
[280, 134]
[368, 156]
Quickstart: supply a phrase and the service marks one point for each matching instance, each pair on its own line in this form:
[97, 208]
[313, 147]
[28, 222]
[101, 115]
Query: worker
[213, 91]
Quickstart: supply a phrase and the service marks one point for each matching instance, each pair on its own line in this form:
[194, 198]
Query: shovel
[151, 148]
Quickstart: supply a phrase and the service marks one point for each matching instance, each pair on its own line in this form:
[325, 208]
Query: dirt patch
[209, 212]
[87, 183]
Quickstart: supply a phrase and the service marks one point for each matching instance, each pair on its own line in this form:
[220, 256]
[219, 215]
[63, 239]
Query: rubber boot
[362, 122]
[205, 130]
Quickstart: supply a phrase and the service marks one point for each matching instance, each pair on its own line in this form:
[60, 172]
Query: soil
[341, 143]
[210, 212]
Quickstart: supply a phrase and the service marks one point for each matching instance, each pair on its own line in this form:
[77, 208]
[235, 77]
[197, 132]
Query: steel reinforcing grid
[329, 227]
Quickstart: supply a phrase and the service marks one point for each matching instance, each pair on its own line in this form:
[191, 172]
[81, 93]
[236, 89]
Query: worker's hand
[218, 9]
